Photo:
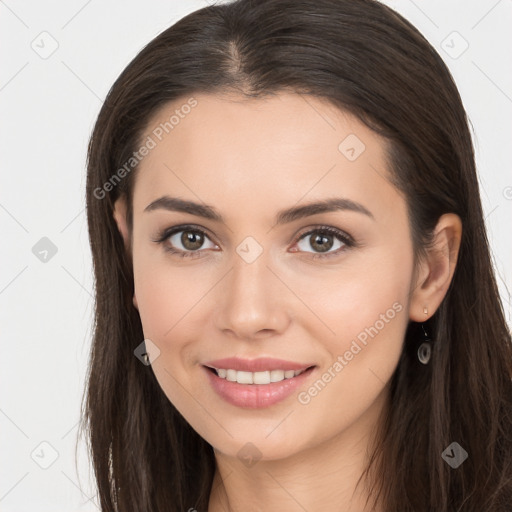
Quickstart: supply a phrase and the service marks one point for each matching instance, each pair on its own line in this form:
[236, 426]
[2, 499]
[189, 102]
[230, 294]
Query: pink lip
[256, 365]
[255, 396]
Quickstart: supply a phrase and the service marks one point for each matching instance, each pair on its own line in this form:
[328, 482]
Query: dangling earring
[425, 349]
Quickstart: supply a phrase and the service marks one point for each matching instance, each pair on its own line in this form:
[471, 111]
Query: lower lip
[256, 396]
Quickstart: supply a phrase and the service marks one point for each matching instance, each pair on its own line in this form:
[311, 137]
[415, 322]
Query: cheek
[369, 290]
[154, 298]
[364, 314]
[166, 307]
[369, 316]
[161, 297]
[171, 302]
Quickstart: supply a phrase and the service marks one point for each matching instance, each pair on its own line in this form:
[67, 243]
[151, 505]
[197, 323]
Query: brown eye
[322, 240]
[188, 240]
[192, 240]
[321, 243]
[185, 241]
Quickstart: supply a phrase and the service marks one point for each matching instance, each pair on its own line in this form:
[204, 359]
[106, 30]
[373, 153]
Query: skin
[250, 159]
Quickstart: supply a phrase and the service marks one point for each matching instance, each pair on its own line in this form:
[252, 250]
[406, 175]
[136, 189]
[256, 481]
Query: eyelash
[165, 234]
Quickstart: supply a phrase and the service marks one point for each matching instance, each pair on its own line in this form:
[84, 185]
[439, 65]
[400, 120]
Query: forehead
[274, 149]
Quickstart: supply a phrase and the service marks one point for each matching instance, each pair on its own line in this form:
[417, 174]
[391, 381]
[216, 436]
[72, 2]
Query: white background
[47, 110]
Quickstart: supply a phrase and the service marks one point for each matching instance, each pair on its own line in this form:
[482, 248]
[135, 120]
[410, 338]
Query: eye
[323, 239]
[184, 241]
[188, 241]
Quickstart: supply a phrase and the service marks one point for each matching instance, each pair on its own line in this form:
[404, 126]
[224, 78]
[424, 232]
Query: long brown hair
[367, 60]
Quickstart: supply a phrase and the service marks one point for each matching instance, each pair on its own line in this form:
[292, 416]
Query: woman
[296, 308]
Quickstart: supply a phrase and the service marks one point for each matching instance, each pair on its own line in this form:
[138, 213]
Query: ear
[436, 269]
[120, 208]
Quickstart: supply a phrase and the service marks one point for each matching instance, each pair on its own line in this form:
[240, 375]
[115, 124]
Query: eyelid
[347, 240]
[167, 232]
[164, 234]
[343, 235]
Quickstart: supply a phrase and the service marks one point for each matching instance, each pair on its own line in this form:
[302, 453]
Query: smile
[256, 390]
[264, 377]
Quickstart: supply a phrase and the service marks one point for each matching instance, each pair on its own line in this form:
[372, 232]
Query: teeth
[256, 377]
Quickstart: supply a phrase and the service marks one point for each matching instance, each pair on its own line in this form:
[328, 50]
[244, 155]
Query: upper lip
[256, 365]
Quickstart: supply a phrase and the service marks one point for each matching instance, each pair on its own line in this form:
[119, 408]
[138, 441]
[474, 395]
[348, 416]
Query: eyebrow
[283, 217]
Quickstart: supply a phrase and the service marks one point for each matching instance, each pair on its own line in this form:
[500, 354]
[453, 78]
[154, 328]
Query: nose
[252, 302]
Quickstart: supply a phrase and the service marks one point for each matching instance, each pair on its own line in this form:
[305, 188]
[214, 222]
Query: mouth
[256, 390]
[264, 377]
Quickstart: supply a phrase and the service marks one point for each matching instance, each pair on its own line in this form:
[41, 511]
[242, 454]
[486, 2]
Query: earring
[425, 349]
[146, 359]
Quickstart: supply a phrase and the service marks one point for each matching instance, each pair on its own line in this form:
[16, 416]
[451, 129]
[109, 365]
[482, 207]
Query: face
[328, 288]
